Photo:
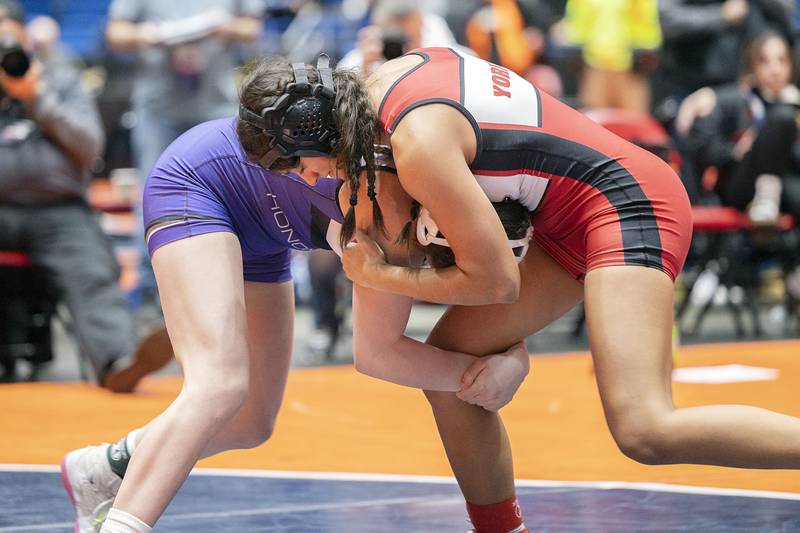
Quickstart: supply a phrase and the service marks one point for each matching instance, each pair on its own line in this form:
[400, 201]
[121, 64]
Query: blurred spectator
[547, 79]
[542, 14]
[320, 26]
[704, 39]
[748, 131]
[619, 41]
[49, 135]
[511, 33]
[186, 70]
[514, 33]
[305, 37]
[325, 273]
[497, 33]
[45, 38]
[458, 14]
[397, 27]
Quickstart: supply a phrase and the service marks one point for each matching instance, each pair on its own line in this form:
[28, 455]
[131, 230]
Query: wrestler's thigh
[547, 291]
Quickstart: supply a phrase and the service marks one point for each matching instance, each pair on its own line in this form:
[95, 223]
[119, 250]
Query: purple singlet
[204, 183]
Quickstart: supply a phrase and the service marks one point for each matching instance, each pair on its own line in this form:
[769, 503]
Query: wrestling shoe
[91, 485]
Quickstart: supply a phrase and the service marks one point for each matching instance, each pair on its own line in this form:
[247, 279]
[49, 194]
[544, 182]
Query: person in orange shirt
[498, 33]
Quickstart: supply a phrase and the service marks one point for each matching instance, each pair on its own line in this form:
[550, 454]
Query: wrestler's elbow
[501, 288]
[365, 354]
[507, 290]
[494, 282]
[360, 363]
[369, 364]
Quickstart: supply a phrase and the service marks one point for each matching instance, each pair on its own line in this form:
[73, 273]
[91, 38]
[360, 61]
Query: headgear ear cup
[300, 122]
[428, 233]
[428, 230]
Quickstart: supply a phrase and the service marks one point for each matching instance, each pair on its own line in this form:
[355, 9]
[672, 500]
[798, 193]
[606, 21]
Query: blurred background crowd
[709, 85]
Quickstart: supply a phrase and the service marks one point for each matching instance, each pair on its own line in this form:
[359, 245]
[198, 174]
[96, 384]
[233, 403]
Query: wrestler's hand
[362, 258]
[492, 381]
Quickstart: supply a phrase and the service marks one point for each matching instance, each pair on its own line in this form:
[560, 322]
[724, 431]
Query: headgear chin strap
[428, 233]
[300, 122]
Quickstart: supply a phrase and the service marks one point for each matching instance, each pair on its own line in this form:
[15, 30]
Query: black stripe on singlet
[507, 150]
[425, 58]
[179, 218]
[319, 228]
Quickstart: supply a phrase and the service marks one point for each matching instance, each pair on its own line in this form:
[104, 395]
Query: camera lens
[395, 41]
[15, 62]
[13, 59]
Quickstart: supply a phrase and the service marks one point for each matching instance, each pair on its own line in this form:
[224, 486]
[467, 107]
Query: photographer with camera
[50, 133]
[398, 26]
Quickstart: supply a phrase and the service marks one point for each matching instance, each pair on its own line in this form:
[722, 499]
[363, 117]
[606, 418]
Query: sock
[121, 522]
[132, 440]
[501, 517]
[119, 453]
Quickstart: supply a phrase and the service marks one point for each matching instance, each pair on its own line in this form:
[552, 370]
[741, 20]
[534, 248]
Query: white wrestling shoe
[91, 485]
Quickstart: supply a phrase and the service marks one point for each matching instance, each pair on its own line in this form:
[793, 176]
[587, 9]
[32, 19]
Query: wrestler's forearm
[442, 285]
[411, 363]
[382, 350]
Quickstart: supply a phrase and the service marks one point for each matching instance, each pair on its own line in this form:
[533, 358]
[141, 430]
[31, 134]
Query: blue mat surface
[36, 501]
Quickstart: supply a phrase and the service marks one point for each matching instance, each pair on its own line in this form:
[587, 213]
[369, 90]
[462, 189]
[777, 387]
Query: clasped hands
[491, 381]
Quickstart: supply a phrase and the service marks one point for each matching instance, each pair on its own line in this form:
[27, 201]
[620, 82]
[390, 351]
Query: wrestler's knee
[257, 433]
[218, 397]
[642, 434]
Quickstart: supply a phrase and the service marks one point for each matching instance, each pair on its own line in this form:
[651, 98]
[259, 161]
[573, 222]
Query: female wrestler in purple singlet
[220, 230]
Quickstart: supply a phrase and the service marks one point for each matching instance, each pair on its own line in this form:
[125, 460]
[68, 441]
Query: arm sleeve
[644, 27]
[68, 115]
[577, 22]
[679, 20]
[131, 10]
[778, 10]
[707, 143]
[540, 14]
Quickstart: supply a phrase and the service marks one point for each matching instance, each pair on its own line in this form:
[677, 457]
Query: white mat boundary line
[410, 478]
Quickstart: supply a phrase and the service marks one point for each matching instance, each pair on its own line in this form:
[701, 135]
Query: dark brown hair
[357, 127]
[514, 216]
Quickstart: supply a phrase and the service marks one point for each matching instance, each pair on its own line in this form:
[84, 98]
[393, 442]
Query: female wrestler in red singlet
[612, 225]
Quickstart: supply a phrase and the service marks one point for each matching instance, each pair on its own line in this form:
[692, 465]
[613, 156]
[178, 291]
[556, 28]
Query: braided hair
[357, 127]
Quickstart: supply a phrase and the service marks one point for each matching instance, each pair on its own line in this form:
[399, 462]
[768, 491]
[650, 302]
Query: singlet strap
[437, 79]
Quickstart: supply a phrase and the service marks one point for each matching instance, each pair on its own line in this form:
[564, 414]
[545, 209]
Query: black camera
[395, 42]
[13, 59]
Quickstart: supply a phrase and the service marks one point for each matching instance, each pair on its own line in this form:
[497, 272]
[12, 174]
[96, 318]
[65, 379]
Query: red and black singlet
[596, 199]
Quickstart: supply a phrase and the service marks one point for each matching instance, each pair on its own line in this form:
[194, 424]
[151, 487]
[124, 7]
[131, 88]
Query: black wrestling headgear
[300, 122]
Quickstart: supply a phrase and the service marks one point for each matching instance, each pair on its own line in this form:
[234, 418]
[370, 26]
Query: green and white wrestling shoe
[91, 485]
